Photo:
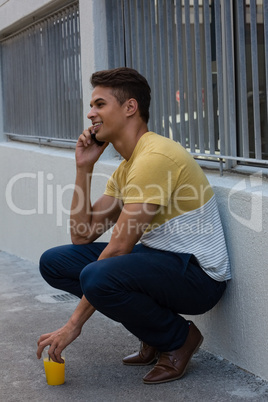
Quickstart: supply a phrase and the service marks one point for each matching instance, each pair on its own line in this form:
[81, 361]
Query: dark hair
[126, 83]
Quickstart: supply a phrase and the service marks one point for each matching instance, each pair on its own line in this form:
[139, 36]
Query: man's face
[106, 114]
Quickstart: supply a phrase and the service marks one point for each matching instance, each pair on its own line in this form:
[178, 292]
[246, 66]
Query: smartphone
[100, 143]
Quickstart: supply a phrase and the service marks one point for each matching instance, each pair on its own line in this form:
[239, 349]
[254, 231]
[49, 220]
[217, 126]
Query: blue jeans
[145, 290]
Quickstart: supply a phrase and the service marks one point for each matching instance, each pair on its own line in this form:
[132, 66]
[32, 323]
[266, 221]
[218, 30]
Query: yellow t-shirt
[160, 171]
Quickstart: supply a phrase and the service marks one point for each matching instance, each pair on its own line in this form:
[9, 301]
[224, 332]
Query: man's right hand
[87, 151]
[57, 340]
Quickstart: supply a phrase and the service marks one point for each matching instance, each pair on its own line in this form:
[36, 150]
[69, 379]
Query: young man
[159, 196]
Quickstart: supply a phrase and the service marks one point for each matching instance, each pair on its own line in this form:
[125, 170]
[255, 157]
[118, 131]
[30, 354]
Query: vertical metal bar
[163, 67]
[147, 39]
[127, 34]
[155, 71]
[52, 90]
[69, 64]
[21, 70]
[109, 9]
[180, 72]
[75, 133]
[21, 88]
[131, 34]
[75, 93]
[219, 63]
[16, 88]
[7, 89]
[27, 74]
[77, 74]
[209, 91]
[255, 79]
[69, 72]
[119, 35]
[190, 89]
[62, 60]
[72, 118]
[47, 115]
[170, 21]
[15, 50]
[40, 61]
[9, 122]
[230, 110]
[80, 76]
[149, 53]
[65, 73]
[57, 72]
[140, 56]
[47, 132]
[31, 81]
[62, 64]
[198, 76]
[36, 78]
[3, 93]
[265, 15]
[40, 34]
[148, 62]
[242, 77]
[2, 89]
[48, 83]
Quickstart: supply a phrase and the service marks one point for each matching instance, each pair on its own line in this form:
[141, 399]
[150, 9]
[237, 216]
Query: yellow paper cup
[55, 372]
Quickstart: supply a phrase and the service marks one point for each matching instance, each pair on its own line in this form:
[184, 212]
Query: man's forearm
[81, 207]
[82, 313]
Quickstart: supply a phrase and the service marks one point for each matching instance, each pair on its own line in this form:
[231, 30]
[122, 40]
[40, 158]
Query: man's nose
[91, 114]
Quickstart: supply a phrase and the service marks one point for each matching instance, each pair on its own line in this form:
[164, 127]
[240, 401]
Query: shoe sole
[182, 374]
[140, 364]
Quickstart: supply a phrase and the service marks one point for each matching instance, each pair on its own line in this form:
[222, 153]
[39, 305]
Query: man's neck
[127, 143]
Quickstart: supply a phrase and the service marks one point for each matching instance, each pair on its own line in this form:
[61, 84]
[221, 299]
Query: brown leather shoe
[145, 356]
[172, 365]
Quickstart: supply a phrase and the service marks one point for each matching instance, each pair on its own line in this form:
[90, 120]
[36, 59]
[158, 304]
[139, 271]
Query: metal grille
[252, 77]
[206, 63]
[65, 297]
[41, 74]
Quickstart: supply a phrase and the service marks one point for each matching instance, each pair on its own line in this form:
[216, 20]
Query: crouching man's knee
[46, 264]
[97, 285]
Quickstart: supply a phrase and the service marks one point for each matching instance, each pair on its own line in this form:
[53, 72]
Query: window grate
[207, 63]
[41, 75]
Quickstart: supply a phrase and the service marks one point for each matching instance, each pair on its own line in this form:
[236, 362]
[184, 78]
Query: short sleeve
[113, 186]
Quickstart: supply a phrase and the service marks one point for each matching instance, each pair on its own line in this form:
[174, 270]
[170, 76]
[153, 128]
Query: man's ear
[131, 107]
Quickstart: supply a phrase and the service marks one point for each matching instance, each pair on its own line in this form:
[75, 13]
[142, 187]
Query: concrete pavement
[94, 372]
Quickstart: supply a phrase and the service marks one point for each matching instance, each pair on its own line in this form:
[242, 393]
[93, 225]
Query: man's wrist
[84, 169]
